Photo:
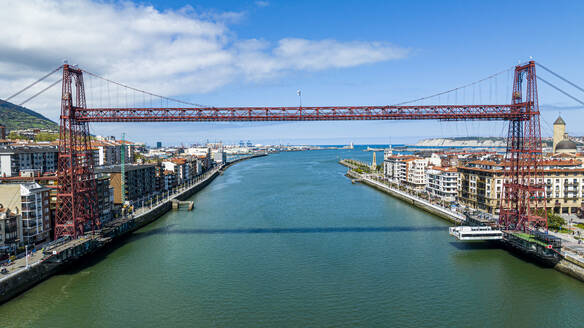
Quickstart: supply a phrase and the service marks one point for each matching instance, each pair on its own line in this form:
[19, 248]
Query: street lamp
[26, 255]
[299, 93]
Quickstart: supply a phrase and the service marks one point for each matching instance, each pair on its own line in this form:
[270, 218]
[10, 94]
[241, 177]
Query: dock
[176, 204]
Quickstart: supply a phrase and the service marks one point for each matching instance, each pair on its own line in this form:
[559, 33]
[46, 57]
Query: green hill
[16, 117]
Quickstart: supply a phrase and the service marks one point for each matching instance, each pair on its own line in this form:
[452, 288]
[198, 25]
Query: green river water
[288, 241]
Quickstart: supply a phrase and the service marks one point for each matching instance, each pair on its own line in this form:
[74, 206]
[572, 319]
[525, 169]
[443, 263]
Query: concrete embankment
[410, 199]
[571, 266]
[243, 159]
[68, 253]
[568, 264]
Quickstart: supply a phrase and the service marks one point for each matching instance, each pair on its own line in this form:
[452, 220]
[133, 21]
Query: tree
[15, 136]
[555, 221]
[44, 136]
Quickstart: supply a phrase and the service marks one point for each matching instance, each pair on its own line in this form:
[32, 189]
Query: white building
[30, 201]
[219, 156]
[407, 170]
[442, 183]
[108, 151]
[184, 170]
[198, 151]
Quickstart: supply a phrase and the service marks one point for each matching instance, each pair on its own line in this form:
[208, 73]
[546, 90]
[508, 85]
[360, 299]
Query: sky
[259, 53]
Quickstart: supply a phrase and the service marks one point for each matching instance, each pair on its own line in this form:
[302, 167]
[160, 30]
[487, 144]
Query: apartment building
[140, 181]
[181, 167]
[17, 158]
[169, 180]
[9, 232]
[108, 151]
[105, 198]
[408, 170]
[31, 201]
[203, 154]
[481, 184]
[219, 156]
[442, 183]
[564, 185]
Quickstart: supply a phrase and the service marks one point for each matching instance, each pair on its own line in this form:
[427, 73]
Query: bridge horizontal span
[340, 113]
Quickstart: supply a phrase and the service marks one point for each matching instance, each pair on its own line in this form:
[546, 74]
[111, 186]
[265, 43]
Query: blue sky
[417, 48]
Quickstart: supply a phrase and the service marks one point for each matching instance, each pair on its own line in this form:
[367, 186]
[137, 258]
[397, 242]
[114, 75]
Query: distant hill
[464, 142]
[16, 117]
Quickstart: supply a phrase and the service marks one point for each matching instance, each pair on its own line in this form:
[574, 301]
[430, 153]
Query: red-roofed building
[408, 170]
[481, 184]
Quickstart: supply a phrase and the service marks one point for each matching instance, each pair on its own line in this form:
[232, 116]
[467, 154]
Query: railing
[173, 193]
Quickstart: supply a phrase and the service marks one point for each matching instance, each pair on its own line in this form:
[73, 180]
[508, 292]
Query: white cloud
[262, 3]
[171, 52]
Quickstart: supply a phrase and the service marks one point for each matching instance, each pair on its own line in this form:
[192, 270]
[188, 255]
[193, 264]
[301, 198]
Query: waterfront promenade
[41, 255]
[378, 182]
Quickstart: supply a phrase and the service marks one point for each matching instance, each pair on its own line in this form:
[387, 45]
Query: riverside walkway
[376, 181]
[37, 257]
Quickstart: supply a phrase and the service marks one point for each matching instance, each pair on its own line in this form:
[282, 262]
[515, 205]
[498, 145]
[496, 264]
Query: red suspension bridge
[522, 204]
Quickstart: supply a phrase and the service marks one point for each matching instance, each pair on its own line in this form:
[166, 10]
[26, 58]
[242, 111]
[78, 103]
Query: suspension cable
[146, 92]
[560, 90]
[455, 89]
[559, 77]
[40, 92]
[34, 83]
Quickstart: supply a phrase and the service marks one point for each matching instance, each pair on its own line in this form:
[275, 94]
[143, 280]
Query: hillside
[16, 117]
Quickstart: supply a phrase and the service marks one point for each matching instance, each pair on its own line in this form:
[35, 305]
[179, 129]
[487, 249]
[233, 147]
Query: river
[288, 241]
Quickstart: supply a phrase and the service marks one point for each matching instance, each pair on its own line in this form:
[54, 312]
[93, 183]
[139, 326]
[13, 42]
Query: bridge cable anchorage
[40, 92]
[560, 90]
[456, 89]
[144, 92]
[559, 77]
[34, 83]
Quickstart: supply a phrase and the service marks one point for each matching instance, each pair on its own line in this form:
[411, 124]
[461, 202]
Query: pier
[188, 204]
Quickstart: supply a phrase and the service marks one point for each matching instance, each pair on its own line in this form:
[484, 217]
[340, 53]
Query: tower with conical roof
[559, 131]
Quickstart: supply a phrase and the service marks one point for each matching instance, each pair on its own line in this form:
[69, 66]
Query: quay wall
[571, 266]
[412, 200]
[19, 282]
[150, 216]
[26, 279]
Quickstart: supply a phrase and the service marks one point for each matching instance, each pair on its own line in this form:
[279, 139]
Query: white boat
[475, 233]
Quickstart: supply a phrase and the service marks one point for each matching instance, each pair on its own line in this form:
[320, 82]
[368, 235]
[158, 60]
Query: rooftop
[27, 149]
[566, 145]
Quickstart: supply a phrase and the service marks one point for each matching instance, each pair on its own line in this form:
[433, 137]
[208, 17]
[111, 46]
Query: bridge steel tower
[523, 201]
[76, 196]
[522, 204]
